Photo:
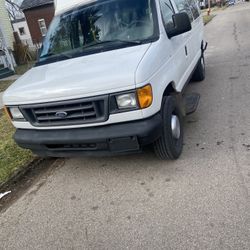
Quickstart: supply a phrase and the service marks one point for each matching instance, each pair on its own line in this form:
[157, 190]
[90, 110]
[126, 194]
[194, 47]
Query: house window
[42, 26]
[21, 31]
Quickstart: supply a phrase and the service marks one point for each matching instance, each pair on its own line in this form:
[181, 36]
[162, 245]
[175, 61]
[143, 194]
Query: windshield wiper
[64, 55]
[47, 55]
[133, 42]
[61, 55]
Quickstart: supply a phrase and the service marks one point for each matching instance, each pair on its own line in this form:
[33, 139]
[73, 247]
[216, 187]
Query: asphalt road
[138, 202]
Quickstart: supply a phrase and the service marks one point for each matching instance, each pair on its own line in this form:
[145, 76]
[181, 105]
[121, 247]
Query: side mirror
[182, 24]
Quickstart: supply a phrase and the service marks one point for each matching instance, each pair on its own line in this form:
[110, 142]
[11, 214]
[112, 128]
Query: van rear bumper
[112, 139]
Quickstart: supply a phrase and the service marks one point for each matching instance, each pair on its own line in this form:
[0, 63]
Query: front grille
[81, 111]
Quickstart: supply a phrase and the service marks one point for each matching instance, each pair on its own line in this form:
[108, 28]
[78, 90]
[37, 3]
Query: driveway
[138, 202]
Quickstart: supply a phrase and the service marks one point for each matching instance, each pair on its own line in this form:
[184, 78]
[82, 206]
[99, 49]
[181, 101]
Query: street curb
[28, 176]
[24, 169]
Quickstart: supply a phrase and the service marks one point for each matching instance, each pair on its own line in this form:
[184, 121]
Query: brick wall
[45, 12]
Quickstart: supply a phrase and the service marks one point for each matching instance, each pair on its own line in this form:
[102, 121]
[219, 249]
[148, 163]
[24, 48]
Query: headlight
[16, 113]
[126, 101]
[140, 98]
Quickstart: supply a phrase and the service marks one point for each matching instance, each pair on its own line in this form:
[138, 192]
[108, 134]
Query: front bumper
[104, 140]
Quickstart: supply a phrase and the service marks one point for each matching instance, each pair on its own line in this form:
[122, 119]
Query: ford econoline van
[110, 79]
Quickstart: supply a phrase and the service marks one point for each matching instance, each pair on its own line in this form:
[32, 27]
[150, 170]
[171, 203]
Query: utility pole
[209, 7]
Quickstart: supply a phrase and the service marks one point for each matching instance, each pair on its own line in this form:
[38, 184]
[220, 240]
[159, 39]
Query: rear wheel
[170, 144]
[199, 73]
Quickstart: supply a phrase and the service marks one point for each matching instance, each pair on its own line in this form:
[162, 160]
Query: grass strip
[4, 84]
[12, 157]
[21, 69]
[208, 19]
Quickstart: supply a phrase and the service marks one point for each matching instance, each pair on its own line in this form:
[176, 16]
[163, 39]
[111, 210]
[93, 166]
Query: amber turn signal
[7, 112]
[145, 96]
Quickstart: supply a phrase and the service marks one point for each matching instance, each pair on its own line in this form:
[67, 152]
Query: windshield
[100, 25]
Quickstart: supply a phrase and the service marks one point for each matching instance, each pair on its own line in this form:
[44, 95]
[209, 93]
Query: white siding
[26, 37]
[5, 25]
[6, 37]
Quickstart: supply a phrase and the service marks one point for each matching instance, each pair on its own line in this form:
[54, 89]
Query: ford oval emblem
[61, 114]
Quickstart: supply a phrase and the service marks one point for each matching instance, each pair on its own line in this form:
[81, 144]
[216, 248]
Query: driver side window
[167, 11]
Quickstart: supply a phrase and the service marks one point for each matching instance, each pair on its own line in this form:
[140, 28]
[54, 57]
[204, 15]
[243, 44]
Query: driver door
[177, 45]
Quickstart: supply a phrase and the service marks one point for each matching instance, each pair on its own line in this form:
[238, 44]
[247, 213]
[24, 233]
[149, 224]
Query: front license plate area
[124, 144]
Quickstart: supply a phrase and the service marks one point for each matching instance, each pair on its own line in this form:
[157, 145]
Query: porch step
[5, 72]
[191, 102]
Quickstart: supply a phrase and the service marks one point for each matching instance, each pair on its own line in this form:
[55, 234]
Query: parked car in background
[231, 2]
[110, 79]
[202, 4]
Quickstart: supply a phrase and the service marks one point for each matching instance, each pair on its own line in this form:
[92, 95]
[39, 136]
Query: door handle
[186, 51]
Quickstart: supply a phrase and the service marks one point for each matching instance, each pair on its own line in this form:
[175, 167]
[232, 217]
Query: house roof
[18, 20]
[29, 4]
[63, 5]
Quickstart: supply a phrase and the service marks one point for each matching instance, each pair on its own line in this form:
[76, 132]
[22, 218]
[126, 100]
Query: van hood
[85, 76]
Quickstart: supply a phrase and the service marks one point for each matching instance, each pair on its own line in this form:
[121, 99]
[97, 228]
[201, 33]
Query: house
[204, 3]
[7, 61]
[39, 14]
[21, 27]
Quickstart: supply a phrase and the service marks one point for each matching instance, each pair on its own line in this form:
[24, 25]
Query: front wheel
[170, 144]
[199, 73]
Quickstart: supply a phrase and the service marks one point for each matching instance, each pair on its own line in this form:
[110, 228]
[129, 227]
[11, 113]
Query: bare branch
[13, 9]
[17, 7]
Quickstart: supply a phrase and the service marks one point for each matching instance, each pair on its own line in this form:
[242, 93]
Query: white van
[110, 79]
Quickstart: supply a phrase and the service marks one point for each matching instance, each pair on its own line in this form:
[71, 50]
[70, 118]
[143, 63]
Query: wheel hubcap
[175, 126]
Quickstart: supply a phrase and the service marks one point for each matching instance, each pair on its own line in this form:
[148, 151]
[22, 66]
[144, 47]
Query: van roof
[63, 5]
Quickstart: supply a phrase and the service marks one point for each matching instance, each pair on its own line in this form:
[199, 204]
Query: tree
[14, 10]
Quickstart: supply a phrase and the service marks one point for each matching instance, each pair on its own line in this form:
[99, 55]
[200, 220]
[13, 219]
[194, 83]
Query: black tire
[167, 146]
[200, 72]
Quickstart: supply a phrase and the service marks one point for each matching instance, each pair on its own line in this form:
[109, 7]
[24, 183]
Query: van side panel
[166, 62]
